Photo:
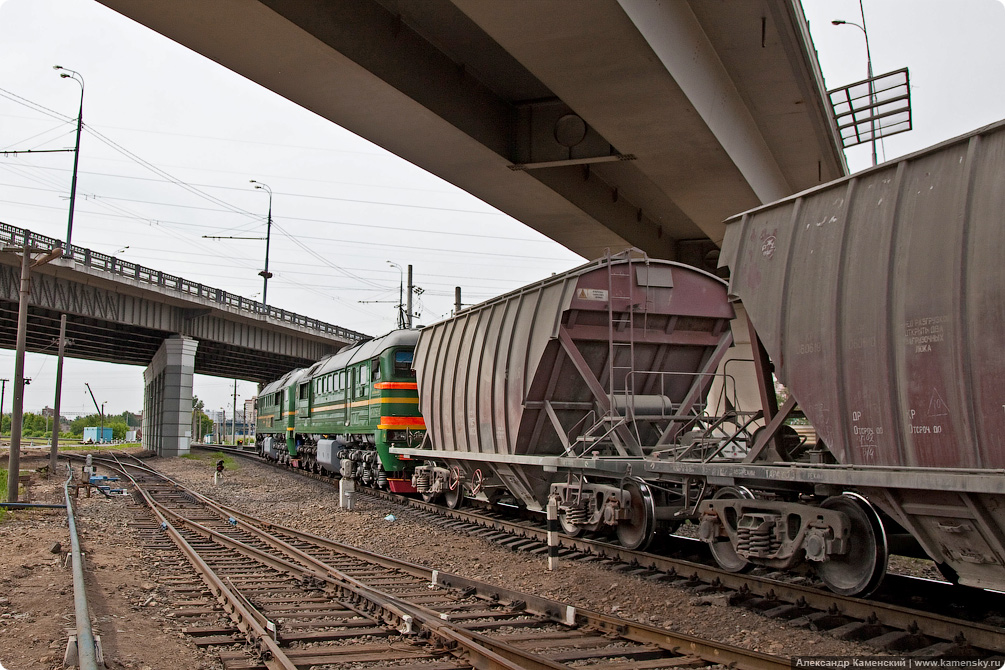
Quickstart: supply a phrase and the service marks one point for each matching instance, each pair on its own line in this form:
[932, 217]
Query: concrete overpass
[121, 312]
[600, 123]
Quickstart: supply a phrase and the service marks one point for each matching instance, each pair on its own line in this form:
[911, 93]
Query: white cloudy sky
[342, 207]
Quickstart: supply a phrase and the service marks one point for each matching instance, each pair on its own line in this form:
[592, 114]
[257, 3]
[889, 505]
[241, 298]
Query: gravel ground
[309, 505]
[132, 614]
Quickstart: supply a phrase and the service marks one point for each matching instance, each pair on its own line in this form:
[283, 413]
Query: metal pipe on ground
[86, 657]
[21, 505]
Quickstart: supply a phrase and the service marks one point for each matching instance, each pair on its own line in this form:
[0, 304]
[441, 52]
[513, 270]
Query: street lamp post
[868, 61]
[401, 294]
[66, 73]
[265, 274]
[54, 448]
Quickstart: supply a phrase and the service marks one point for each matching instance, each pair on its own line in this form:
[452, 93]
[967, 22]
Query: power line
[14, 97]
[302, 195]
[368, 226]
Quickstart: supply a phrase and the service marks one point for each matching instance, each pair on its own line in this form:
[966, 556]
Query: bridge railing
[14, 236]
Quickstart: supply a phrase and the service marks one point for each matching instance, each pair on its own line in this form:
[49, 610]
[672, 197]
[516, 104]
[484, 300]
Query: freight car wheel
[569, 528]
[723, 552]
[859, 570]
[637, 531]
[454, 498]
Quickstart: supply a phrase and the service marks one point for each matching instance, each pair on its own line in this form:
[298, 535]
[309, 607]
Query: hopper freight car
[342, 414]
[533, 393]
[880, 298]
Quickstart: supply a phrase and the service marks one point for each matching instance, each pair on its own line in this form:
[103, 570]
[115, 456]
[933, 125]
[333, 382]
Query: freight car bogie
[453, 483]
[842, 536]
[635, 510]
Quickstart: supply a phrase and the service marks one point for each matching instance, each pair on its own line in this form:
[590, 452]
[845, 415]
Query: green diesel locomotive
[342, 414]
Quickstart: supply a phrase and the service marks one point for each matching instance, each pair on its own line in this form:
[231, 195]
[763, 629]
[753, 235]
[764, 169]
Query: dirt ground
[36, 605]
[131, 609]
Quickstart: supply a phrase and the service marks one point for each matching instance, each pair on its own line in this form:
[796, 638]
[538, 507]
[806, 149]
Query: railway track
[268, 596]
[909, 615]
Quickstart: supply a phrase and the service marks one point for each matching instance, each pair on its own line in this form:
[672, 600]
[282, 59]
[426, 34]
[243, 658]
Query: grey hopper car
[880, 298]
[606, 363]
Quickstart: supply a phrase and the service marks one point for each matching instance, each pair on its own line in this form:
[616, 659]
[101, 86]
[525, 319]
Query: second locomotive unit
[342, 414]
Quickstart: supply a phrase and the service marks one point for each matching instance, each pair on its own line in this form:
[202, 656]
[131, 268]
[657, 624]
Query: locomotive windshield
[403, 364]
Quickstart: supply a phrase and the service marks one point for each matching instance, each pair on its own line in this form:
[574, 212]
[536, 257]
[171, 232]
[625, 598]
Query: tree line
[38, 426]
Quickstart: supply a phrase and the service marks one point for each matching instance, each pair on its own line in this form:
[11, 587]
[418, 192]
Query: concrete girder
[676, 37]
[446, 84]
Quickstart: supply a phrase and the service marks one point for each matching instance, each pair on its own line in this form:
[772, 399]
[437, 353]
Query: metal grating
[872, 108]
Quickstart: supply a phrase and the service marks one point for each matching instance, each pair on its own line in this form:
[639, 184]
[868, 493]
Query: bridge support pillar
[167, 397]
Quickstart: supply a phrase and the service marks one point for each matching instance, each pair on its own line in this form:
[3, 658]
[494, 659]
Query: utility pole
[17, 413]
[233, 425]
[408, 312]
[59, 386]
[16, 418]
[457, 299]
[3, 387]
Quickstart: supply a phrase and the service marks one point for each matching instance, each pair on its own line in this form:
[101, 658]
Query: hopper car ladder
[613, 425]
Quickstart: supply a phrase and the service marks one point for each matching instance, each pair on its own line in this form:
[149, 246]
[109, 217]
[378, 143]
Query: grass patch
[100, 447]
[228, 462]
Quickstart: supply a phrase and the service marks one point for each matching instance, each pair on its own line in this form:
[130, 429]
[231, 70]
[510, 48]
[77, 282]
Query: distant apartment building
[251, 414]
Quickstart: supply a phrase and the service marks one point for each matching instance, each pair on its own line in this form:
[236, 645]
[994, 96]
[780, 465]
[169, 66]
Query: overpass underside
[601, 124]
[99, 340]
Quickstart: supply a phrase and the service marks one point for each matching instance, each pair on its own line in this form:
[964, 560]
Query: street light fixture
[265, 274]
[868, 59]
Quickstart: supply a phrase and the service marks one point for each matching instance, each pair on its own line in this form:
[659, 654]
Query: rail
[15, 236]
[903, 614]
[377, 589]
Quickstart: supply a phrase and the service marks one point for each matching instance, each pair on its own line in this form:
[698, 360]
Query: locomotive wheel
[859, 571]
[430, 497]
[723, 552]
[637, 531]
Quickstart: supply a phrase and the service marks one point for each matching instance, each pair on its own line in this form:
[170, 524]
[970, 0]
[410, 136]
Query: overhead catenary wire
[115, 206]
[541, 240]
[30, 104]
